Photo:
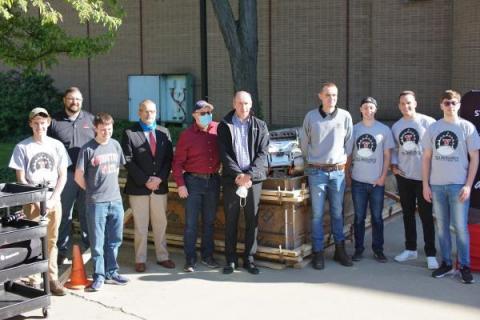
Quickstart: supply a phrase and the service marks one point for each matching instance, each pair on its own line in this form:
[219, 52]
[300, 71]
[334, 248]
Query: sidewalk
[369, 290]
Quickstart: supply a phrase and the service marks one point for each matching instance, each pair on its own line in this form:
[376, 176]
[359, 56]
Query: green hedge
[20, 92]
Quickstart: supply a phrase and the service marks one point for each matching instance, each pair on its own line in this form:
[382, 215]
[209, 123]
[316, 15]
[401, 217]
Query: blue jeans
[202, 200]
[322, 185]
[364, 194]
[105, 227]
[449, 210]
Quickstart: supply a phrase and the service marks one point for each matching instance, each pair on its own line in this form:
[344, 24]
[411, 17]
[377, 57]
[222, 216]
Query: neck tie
[153, 144]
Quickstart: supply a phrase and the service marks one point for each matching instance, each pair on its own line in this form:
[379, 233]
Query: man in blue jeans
[97, 173]
[325, 136]
[195, 169]
[369, 160]
[450, 163]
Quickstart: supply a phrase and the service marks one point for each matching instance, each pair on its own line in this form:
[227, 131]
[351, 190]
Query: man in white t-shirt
[40, 159]
[450, 163]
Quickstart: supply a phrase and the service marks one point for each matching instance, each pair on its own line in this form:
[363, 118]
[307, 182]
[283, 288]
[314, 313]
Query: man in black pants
[407, 167]
[72, 126]
[243, 142]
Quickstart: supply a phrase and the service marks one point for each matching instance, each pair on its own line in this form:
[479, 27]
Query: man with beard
[73, 127]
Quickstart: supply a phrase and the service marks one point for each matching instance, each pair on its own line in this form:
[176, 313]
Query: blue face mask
[205, 119]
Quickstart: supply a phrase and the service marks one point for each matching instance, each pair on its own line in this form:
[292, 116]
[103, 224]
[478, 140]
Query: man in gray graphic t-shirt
[407, 168]
[369, 160]
[96, 172]
[450, 163]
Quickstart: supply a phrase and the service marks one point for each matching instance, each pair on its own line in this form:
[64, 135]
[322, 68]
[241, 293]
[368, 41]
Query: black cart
[16, 298]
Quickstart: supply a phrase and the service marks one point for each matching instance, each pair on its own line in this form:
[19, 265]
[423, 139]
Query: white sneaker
[406, 255]
[432, 263]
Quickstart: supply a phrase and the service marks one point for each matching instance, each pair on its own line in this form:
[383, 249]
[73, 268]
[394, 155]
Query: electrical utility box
[172, 93]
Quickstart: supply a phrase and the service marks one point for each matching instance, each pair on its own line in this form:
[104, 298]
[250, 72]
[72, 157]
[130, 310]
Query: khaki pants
[150, 208]
[54, 217]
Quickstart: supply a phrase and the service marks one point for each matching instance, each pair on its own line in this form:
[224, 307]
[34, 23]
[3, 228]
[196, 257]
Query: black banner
[470, 110]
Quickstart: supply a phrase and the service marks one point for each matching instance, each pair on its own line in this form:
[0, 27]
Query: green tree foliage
[21, 92]
[30, 35]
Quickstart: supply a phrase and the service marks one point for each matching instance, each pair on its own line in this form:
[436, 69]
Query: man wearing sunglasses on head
[450, 162]
[195, 169]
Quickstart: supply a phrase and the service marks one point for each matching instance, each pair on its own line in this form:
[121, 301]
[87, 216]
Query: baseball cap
[38, 111]
[202, 104]
[369, 100]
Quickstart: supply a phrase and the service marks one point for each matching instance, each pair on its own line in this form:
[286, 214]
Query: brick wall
[426, 46]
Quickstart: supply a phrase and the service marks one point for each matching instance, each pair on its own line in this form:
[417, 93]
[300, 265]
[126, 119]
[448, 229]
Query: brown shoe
[140, 267]
[169, 264]
[57, 289]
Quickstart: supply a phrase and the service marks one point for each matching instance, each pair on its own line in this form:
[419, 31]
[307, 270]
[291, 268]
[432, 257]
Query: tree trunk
[241, 40]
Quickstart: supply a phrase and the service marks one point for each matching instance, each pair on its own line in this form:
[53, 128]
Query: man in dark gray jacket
[243, 142]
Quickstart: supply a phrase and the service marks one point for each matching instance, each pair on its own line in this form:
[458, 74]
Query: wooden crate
[284, 221]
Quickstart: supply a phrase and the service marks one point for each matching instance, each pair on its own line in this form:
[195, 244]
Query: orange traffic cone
[78, 276]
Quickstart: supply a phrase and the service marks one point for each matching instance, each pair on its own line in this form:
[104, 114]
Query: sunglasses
[452, 103]
[204, 113]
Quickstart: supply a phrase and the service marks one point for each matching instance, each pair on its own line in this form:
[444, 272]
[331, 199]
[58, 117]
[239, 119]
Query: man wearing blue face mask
[195, 169]
[148, 154]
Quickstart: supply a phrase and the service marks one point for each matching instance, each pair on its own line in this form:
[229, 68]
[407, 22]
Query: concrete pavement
[369, 290]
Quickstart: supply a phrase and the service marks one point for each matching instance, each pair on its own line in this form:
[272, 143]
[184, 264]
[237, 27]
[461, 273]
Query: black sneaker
[466, 275]
[251, 268]
[380, 257]
[443, 271]
[357, 256]
[210, 262]
[229, 268]
[61, 260]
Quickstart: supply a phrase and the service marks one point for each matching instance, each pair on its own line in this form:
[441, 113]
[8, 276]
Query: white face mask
[242, 192]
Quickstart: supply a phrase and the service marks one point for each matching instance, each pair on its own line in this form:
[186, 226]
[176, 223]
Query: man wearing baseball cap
[195, 169]
[40, 159]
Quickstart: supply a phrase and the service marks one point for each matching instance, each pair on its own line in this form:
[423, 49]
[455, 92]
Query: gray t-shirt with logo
[101, 164]
[41, 162]
[369, 143]
[450, 144]
[408, 149]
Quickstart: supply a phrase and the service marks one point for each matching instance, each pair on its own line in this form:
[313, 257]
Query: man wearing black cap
[148, 155]
[369, 160]
[195, 169]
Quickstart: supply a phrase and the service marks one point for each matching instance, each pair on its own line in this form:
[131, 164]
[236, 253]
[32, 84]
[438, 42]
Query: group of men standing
[433, 162]
[418, 150]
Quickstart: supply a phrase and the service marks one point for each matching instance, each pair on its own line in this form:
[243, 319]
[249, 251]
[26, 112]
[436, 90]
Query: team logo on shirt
[408, 139]
[366, 145]
[446, 143]
[42, 168]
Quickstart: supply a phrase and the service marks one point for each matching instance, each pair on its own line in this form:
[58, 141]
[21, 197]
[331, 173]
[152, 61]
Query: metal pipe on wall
[203, 49]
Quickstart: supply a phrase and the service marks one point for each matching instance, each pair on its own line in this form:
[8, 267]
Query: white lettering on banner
[476, 113]
[477, 185]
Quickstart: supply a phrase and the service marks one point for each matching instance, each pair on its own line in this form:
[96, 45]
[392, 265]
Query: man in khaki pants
[40, 159]
[148, 153]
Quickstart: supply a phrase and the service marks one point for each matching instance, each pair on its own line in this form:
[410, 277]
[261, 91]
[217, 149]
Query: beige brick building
[368, 47]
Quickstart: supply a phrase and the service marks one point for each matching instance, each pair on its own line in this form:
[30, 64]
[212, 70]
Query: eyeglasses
[204, 113]
[452, 103]
[73, 99]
